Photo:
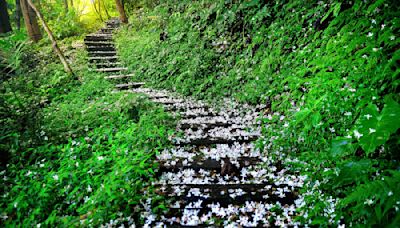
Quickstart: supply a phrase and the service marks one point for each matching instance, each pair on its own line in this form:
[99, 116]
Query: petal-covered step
[249, 214]
[199, 162]
[207, 140]
[119, 76]
[112, 70]
[129, 85]
[213, 151]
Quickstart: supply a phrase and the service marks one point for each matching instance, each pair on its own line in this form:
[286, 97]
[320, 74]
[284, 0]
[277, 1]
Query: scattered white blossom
[357, 134]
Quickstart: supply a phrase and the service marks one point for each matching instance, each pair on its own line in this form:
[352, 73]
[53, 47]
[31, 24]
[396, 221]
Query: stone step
[205, 126]
[249, 214]
[108, 64]
[200, 162]
[103, 58]
[129, 85]
[212, 151]
[236, 196]
[107, 30]
[210, 141]
[183, 107]
[110, 70]
[98, 37]
[102, 53]
[119, 76]
[98, 42]
[100, 48]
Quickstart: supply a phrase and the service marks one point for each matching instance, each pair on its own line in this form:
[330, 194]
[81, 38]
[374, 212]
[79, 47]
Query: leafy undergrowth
[73, 153]
[329, 70]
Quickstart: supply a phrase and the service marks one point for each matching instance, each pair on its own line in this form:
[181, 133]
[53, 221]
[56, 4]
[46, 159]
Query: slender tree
[105, 9]
[121, 10]
[5, 25]
[97, 10]
[30, 21]
[18, 14]
[66, 6]
[56, 49]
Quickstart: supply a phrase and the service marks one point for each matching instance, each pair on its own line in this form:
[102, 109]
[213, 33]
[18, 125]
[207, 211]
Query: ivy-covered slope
[329, 70]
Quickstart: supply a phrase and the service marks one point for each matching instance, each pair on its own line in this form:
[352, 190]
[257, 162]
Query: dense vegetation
[329, 71]
[72, 151]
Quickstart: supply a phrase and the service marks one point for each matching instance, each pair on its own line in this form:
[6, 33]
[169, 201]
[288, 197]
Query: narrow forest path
[215, 174]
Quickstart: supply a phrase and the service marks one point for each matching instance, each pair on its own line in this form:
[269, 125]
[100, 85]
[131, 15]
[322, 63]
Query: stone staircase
[103, 55]
[215, 175]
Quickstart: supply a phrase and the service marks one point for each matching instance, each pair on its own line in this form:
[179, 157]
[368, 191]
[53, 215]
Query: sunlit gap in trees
[92, 11]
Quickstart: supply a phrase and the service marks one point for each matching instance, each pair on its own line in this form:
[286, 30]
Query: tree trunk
[56, 49]
[5, 25]
[30, 21]
[66, 6]
[98, 11]
[105, 9]
[18, 14]
[121, 10]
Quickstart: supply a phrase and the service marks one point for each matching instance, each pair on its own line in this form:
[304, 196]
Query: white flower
[392, 37]
[357, 134]
[100, 158]
[370, 34]
[41, 165]
[390, 193]
[89, 189]
[369, 202]
[368, 116]
[375, 49]
[349, 136]
[28, 173]
[342, 226]
[383, 26]
[371, 130]
[55, 177]
[347, 113]
[46, 138]
[4, 216]
[364, 56]
[373, 21]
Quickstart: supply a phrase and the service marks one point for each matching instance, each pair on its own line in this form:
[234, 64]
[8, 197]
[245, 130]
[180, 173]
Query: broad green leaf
[376, 128]
[341, 147]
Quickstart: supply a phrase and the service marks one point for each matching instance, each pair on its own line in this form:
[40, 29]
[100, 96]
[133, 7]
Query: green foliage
[376, 202]
[74, 153]
[323, 66]
[375, 127]
[12, 51]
